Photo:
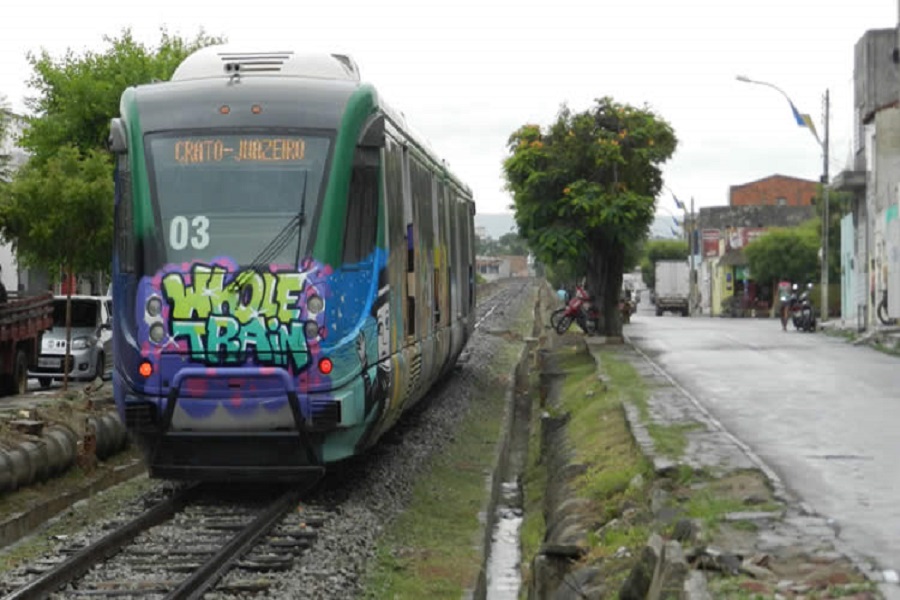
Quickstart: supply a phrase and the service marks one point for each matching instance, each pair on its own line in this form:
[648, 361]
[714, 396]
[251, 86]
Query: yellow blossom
[566, 191]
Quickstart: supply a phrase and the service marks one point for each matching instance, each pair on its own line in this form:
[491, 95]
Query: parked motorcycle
[799, 308]
[581, 310]
[807, 321]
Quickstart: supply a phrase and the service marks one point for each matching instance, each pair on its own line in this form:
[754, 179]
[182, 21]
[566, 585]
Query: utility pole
[825, 217]
[691, 288]
[804, 121]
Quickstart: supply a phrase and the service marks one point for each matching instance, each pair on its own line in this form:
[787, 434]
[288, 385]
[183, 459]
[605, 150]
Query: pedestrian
[563, 295]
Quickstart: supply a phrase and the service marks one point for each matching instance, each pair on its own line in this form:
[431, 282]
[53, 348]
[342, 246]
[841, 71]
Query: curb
[779, 489]
[22, 524]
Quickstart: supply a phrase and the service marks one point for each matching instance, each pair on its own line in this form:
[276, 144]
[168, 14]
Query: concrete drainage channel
[45, 453]
[500, 577]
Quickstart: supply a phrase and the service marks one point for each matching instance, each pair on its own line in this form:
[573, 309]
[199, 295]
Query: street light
[690, 228]
[804, 121]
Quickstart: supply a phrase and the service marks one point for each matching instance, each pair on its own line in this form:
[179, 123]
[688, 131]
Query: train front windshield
[249, 197]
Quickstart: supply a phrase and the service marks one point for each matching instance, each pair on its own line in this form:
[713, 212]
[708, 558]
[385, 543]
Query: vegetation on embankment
[600, 438]
[433, 549]
[628, 499]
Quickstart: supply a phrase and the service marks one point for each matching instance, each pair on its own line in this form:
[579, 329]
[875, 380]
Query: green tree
[77, 95]
[788, 254]
[53, 216]
[584, 190]
[838, 206]
[5, 159]
[57, 212]
[485, 246]
[655, 250]
[511, 244]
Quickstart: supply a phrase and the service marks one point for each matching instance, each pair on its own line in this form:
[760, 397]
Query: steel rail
[107, 546]
[204, 578]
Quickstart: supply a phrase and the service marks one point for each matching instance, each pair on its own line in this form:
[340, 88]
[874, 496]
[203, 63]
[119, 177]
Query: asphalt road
[822, 413]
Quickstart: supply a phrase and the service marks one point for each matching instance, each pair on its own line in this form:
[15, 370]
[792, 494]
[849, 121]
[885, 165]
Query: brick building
[775, 190]
[724, 275]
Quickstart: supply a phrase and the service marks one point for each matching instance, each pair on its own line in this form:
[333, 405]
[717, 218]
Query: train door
[458, 270]
[409, 283]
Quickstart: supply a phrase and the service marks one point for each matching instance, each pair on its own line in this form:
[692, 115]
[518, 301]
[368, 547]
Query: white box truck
[673, 287]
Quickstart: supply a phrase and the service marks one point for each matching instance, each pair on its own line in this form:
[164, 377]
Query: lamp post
[804, 121]
[690, 226]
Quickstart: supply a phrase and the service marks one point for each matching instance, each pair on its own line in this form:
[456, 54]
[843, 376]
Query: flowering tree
[584, 190]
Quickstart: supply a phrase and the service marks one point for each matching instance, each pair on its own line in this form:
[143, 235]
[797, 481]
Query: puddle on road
[503, 576]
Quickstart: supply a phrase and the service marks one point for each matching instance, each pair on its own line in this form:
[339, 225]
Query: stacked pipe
[55, 450]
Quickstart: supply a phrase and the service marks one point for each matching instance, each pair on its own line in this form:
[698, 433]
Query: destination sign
[196, 151]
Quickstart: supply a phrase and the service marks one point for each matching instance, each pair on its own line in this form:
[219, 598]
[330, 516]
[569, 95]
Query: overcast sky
[467, 73]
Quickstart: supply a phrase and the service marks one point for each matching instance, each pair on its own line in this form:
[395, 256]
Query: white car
[91, 353]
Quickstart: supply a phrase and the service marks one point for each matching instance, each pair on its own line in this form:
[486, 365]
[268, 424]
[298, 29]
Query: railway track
[341, 517]
[182, 546]
[494, 297]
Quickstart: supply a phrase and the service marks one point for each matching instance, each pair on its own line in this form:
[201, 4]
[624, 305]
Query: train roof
[219, 61]
[227, 73]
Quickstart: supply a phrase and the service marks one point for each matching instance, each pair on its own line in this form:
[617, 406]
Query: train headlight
[154, 306]
[311, 329]
[157, 333]
[315, 304]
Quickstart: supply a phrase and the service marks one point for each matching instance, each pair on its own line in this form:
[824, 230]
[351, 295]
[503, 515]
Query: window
[124, 219]
[362, 207]
[781, 201]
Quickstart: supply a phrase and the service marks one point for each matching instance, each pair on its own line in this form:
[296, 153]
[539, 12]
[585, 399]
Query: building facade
[11, 158]
[724, 282]
[774, 190]
[870, 257]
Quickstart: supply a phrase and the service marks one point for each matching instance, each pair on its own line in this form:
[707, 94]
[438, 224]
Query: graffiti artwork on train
[225, 317]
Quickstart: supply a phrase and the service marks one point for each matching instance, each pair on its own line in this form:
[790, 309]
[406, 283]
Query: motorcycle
[799, 308]
[807, 321]
[580, 309]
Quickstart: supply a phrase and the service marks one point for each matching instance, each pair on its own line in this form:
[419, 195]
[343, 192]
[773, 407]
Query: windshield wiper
[277, 244]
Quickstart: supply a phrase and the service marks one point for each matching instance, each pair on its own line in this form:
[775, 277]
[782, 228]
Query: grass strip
[598, 432]
[433, 550]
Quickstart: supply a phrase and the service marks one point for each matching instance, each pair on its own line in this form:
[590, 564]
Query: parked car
[91, 353]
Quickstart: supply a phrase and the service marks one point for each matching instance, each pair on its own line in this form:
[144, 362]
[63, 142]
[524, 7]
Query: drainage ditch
[501, 575]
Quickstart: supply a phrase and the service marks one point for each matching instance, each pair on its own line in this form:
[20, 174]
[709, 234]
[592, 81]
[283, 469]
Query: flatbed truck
[23, 321]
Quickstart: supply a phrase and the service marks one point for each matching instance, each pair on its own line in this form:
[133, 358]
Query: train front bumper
[275, 436]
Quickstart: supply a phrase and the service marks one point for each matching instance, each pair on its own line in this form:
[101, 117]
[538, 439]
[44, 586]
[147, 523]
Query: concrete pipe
[53, 454]
[19, 463]
[111, 435]
[62, 444]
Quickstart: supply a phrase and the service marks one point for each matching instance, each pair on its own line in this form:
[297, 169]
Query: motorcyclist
[787, 304]
[626, 306]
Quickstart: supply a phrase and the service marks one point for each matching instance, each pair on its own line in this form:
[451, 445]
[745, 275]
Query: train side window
[410, 325]
[124, 215]
[408, 213]
[362, 206]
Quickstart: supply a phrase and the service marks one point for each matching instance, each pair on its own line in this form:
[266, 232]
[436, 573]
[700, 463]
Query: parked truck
[22, 323]
[672, 287]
